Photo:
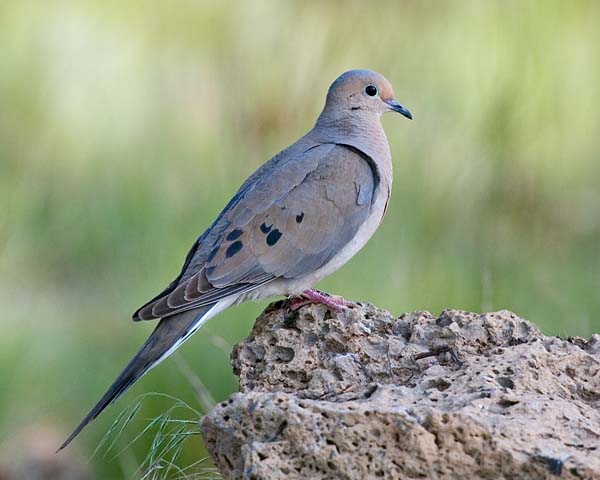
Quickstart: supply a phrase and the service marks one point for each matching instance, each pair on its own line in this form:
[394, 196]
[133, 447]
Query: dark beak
[396, 107]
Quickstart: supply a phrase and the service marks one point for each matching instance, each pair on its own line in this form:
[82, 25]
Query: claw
[315, 296]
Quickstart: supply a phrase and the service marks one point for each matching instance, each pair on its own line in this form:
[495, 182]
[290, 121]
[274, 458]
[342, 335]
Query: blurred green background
[126, 126]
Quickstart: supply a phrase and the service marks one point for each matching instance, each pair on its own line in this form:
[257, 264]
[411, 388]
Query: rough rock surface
[361, 394]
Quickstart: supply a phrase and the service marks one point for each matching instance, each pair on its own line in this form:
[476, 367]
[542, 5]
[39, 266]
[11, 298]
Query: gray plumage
[297, 219]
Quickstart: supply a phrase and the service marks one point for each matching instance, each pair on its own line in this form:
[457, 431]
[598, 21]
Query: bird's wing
[287, 223]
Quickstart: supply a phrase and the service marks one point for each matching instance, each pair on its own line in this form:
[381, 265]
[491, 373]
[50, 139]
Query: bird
[297, 219]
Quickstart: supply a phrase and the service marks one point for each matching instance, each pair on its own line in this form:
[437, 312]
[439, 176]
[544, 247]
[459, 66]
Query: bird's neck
[363, 132]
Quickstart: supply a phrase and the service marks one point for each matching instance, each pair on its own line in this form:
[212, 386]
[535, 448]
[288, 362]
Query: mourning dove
[298, 218]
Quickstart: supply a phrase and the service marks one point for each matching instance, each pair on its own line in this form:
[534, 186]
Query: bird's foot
[311, 295]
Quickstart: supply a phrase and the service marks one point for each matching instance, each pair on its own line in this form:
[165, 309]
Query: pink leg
[315, 296]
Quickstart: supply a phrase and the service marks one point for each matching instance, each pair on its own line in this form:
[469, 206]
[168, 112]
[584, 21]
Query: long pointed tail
[168, 335]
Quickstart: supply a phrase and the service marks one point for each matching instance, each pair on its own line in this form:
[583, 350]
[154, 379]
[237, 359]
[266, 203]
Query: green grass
[125, 128]
[169, 434]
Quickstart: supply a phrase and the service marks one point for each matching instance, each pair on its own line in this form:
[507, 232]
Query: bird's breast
[364, 233]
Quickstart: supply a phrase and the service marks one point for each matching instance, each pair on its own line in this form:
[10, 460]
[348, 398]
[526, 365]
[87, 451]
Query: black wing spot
[264, 229]
[234, 248]
[300, 217]
[234, 235]
[273, 237]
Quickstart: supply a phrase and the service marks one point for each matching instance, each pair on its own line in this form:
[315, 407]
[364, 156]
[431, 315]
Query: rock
[360, 394]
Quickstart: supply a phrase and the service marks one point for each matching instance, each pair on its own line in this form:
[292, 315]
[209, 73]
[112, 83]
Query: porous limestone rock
[360, 394]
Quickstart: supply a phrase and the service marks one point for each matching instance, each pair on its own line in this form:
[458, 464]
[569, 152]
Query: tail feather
[168, 335]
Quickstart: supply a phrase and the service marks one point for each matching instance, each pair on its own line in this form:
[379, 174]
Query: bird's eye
[371, 90]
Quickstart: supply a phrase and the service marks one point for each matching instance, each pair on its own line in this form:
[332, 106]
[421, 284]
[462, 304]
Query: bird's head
[362, 91]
